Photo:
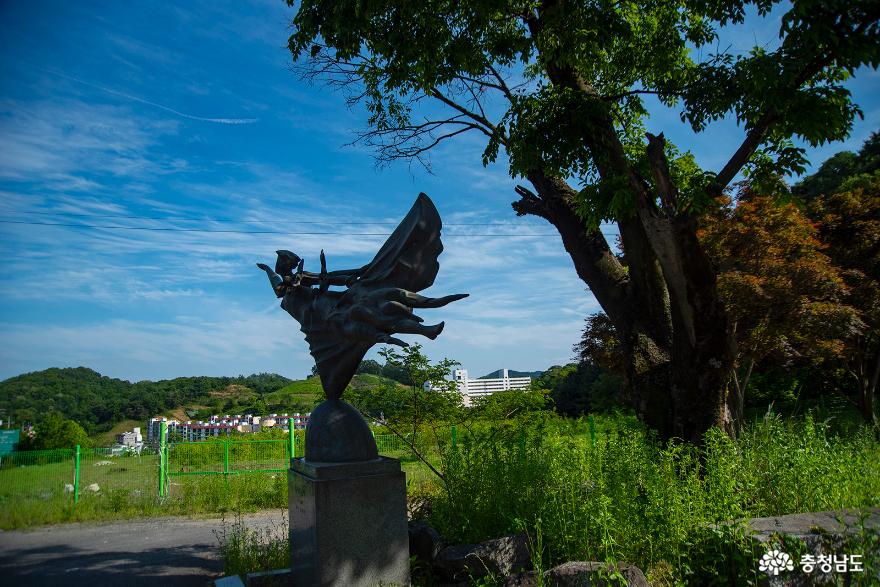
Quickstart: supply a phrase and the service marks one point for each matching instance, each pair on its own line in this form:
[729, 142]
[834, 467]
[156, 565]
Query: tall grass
[247, 550]
[628, 497]
[186, 496]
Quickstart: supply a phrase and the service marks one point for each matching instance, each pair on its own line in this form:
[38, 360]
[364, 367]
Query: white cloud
[50, 139]
[236, 344]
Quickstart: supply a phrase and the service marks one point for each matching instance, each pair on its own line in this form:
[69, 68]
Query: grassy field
[36, 487]
[605, 490]
[108, 438]
[41, 491]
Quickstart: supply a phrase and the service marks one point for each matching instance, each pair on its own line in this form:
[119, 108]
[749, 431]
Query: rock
[68, 488]
[823, 533]
[424, 541]
[524, 579]
[93, 487]
[592, 574]
[835, 523]
[103, 463]
[501, 557]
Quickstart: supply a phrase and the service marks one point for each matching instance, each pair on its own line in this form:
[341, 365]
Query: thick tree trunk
[645, 331]
[665, 306]
[634, 298]
[704, 349]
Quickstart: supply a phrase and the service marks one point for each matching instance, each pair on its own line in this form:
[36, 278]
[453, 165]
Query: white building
[474, 388]
[131, 439]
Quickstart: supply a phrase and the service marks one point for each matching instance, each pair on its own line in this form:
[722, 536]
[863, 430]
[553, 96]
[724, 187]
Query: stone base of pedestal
[348, 524]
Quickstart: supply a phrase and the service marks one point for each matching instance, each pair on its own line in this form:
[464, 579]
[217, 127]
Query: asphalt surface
[159, 552]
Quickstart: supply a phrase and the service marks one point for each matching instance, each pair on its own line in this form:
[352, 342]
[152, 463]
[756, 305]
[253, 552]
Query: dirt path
[161, 551]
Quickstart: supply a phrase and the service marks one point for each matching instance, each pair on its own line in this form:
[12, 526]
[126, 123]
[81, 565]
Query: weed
[630, 498]
[246, 550]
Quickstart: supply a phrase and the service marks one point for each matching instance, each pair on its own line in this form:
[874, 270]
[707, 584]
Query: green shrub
[630, 498]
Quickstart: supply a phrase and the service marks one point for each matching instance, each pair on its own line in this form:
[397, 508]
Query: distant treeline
[97, 402]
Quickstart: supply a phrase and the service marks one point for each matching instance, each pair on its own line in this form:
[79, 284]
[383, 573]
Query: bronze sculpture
[341, 326]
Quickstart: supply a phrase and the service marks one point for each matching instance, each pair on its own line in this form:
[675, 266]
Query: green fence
[52, 476]
[74, 475]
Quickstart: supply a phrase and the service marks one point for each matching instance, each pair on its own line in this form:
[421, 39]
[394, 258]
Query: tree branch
[615, 97]
[412, 447]
[480, 82]
[502, 85]
[754, 138]
[759, 131]
[660, 169]
[529, 203]
[434, 92]
[406, 142]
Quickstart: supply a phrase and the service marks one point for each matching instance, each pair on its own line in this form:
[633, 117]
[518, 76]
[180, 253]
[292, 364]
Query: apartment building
[471, 389]
[225, 425]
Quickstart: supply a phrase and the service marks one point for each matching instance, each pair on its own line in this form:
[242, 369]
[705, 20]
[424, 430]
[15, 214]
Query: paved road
[160, 552]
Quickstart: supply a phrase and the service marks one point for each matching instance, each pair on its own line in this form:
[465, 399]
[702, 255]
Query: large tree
[785, 299]
[559, 86]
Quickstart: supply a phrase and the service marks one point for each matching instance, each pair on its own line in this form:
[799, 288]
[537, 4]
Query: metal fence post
[291, 444]
[163, 457]
[226, 459]
[454, 435]
[76, 475]
[592, 424]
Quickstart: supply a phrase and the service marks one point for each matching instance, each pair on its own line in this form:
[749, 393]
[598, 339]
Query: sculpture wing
[408, 259]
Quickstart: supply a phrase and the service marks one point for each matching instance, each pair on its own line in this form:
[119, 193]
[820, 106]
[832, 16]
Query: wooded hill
[511, 373]
[98, 402]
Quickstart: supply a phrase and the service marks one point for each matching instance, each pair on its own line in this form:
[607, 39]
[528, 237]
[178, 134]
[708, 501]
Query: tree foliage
[842, 172]
[599, 344]
[580, 388]
[369, 366]
[783, 293]
[558, 86]
[785, 298]
[56, 431]
[849, 222]
[504, 405]
[429, 395]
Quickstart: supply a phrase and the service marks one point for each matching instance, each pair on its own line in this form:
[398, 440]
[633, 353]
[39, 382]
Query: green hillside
[103, 404]
[512, 373]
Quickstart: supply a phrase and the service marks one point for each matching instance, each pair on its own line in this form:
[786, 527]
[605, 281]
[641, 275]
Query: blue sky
[189, 117]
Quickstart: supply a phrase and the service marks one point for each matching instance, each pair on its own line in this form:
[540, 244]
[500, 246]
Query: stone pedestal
[348, 524]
